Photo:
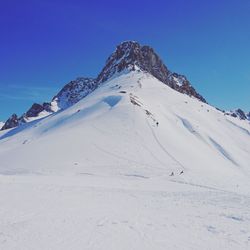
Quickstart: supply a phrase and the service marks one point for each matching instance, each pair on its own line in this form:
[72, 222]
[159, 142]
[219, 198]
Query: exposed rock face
[34, 110]
[131, 56]
[181, 84]
[74, 91]
[12, 122]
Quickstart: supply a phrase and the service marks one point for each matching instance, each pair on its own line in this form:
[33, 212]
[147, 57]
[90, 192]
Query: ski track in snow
[222, 151]
[162, 147]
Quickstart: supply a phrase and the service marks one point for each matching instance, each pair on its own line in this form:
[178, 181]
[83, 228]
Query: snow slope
[97, 211]
[97, 175]
[1, 124]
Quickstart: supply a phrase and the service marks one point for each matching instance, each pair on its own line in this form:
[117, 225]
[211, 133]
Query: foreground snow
[97, 175]
[90, 211]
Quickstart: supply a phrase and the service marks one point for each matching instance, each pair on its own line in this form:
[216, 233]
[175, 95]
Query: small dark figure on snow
[181, 172]
[157, 124]
[172, 174]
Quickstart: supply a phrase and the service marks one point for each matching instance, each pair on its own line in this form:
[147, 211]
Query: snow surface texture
[1, 124]
[98, 174]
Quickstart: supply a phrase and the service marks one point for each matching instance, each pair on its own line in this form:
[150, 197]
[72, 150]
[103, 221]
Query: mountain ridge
[128, 56]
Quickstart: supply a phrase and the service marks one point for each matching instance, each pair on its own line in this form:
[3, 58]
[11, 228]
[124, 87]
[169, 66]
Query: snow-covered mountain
[131, 161]
[133, 94]
[1, 124]
[128, 56]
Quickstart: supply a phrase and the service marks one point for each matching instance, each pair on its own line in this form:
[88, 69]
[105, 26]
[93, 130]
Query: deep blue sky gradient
[46, 43]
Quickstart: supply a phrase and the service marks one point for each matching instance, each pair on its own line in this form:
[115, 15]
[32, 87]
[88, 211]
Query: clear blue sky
[46, 43]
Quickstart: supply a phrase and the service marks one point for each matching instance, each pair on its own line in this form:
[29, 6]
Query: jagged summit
[130, 55]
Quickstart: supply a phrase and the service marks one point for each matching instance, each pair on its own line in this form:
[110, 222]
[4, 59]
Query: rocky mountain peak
[130, 56]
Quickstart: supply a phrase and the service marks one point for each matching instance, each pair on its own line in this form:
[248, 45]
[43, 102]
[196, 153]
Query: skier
[157, 123]
[172, 174]
[181, 172]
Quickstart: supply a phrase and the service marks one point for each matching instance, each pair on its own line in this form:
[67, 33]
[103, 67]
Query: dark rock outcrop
[130, 54]
[12, 122]
[34, 110]
[239, 113]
